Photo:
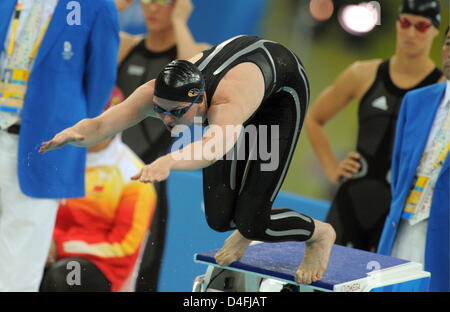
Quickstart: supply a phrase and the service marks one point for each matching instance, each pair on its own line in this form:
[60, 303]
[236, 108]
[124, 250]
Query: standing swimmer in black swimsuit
[243, 83]
[362, 202]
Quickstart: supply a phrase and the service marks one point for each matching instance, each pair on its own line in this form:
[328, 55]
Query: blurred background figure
[362, 200]
[418, 226]
[104, 231]
[141, 58]
[57, 64]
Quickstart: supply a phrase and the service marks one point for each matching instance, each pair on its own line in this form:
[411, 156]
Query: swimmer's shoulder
[366, 69]
[364, 73]
[202, 47]
[196, 58]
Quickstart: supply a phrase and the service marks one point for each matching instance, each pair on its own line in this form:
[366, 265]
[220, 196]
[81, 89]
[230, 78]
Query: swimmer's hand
[157, 171]
[347, 168]
[67, 136]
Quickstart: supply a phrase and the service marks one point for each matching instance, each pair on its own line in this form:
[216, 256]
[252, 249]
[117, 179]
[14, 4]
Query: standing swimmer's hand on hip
[347, 168]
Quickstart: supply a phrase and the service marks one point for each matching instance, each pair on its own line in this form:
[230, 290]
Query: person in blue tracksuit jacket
[418, 230]
[62, 56]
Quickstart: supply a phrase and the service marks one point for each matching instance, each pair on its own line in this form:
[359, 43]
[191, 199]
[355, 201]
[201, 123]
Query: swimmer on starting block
[242, 82]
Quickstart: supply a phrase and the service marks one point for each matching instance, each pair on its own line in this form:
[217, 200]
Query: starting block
[349, 270]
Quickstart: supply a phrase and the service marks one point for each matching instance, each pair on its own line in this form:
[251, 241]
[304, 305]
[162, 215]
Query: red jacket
[109, 225]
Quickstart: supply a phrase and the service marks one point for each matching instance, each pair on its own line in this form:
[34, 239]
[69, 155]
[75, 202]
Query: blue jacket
[72, 79]
[414, 123]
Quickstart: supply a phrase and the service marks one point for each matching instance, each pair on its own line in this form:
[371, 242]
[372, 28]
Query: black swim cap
[180, 81]
[426, 8]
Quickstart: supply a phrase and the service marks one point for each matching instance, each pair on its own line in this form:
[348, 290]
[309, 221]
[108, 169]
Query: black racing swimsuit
[361, 204]
[239, 191]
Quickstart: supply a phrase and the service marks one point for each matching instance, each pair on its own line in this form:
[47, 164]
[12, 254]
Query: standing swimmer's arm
[91, 131]
[186, 44]
[331, 101]
[127, 41]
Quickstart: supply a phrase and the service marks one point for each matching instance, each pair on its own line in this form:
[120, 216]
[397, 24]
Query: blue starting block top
[347, 266]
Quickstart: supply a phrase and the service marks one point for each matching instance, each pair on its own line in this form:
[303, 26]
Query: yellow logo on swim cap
[193, 92]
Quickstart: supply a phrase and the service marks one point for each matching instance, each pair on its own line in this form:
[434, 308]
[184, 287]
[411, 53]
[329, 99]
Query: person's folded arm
[187, 46]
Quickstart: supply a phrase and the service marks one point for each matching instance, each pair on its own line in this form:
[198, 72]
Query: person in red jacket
[97, 238]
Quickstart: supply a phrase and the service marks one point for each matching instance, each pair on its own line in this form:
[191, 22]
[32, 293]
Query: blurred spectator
[141, 58]
[362, 201]
[417, 227]
[57, 65]
[103, 231]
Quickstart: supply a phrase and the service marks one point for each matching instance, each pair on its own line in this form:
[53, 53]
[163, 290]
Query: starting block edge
[317, 285]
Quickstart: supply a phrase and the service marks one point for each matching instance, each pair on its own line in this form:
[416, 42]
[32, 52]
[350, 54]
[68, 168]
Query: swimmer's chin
[177, 129]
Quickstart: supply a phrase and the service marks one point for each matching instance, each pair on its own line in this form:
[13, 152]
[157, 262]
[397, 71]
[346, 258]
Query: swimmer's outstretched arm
[225, 126]
[91, 131]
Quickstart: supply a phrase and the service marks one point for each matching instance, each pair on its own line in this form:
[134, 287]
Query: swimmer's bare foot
[233, 249]
[317, 253]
